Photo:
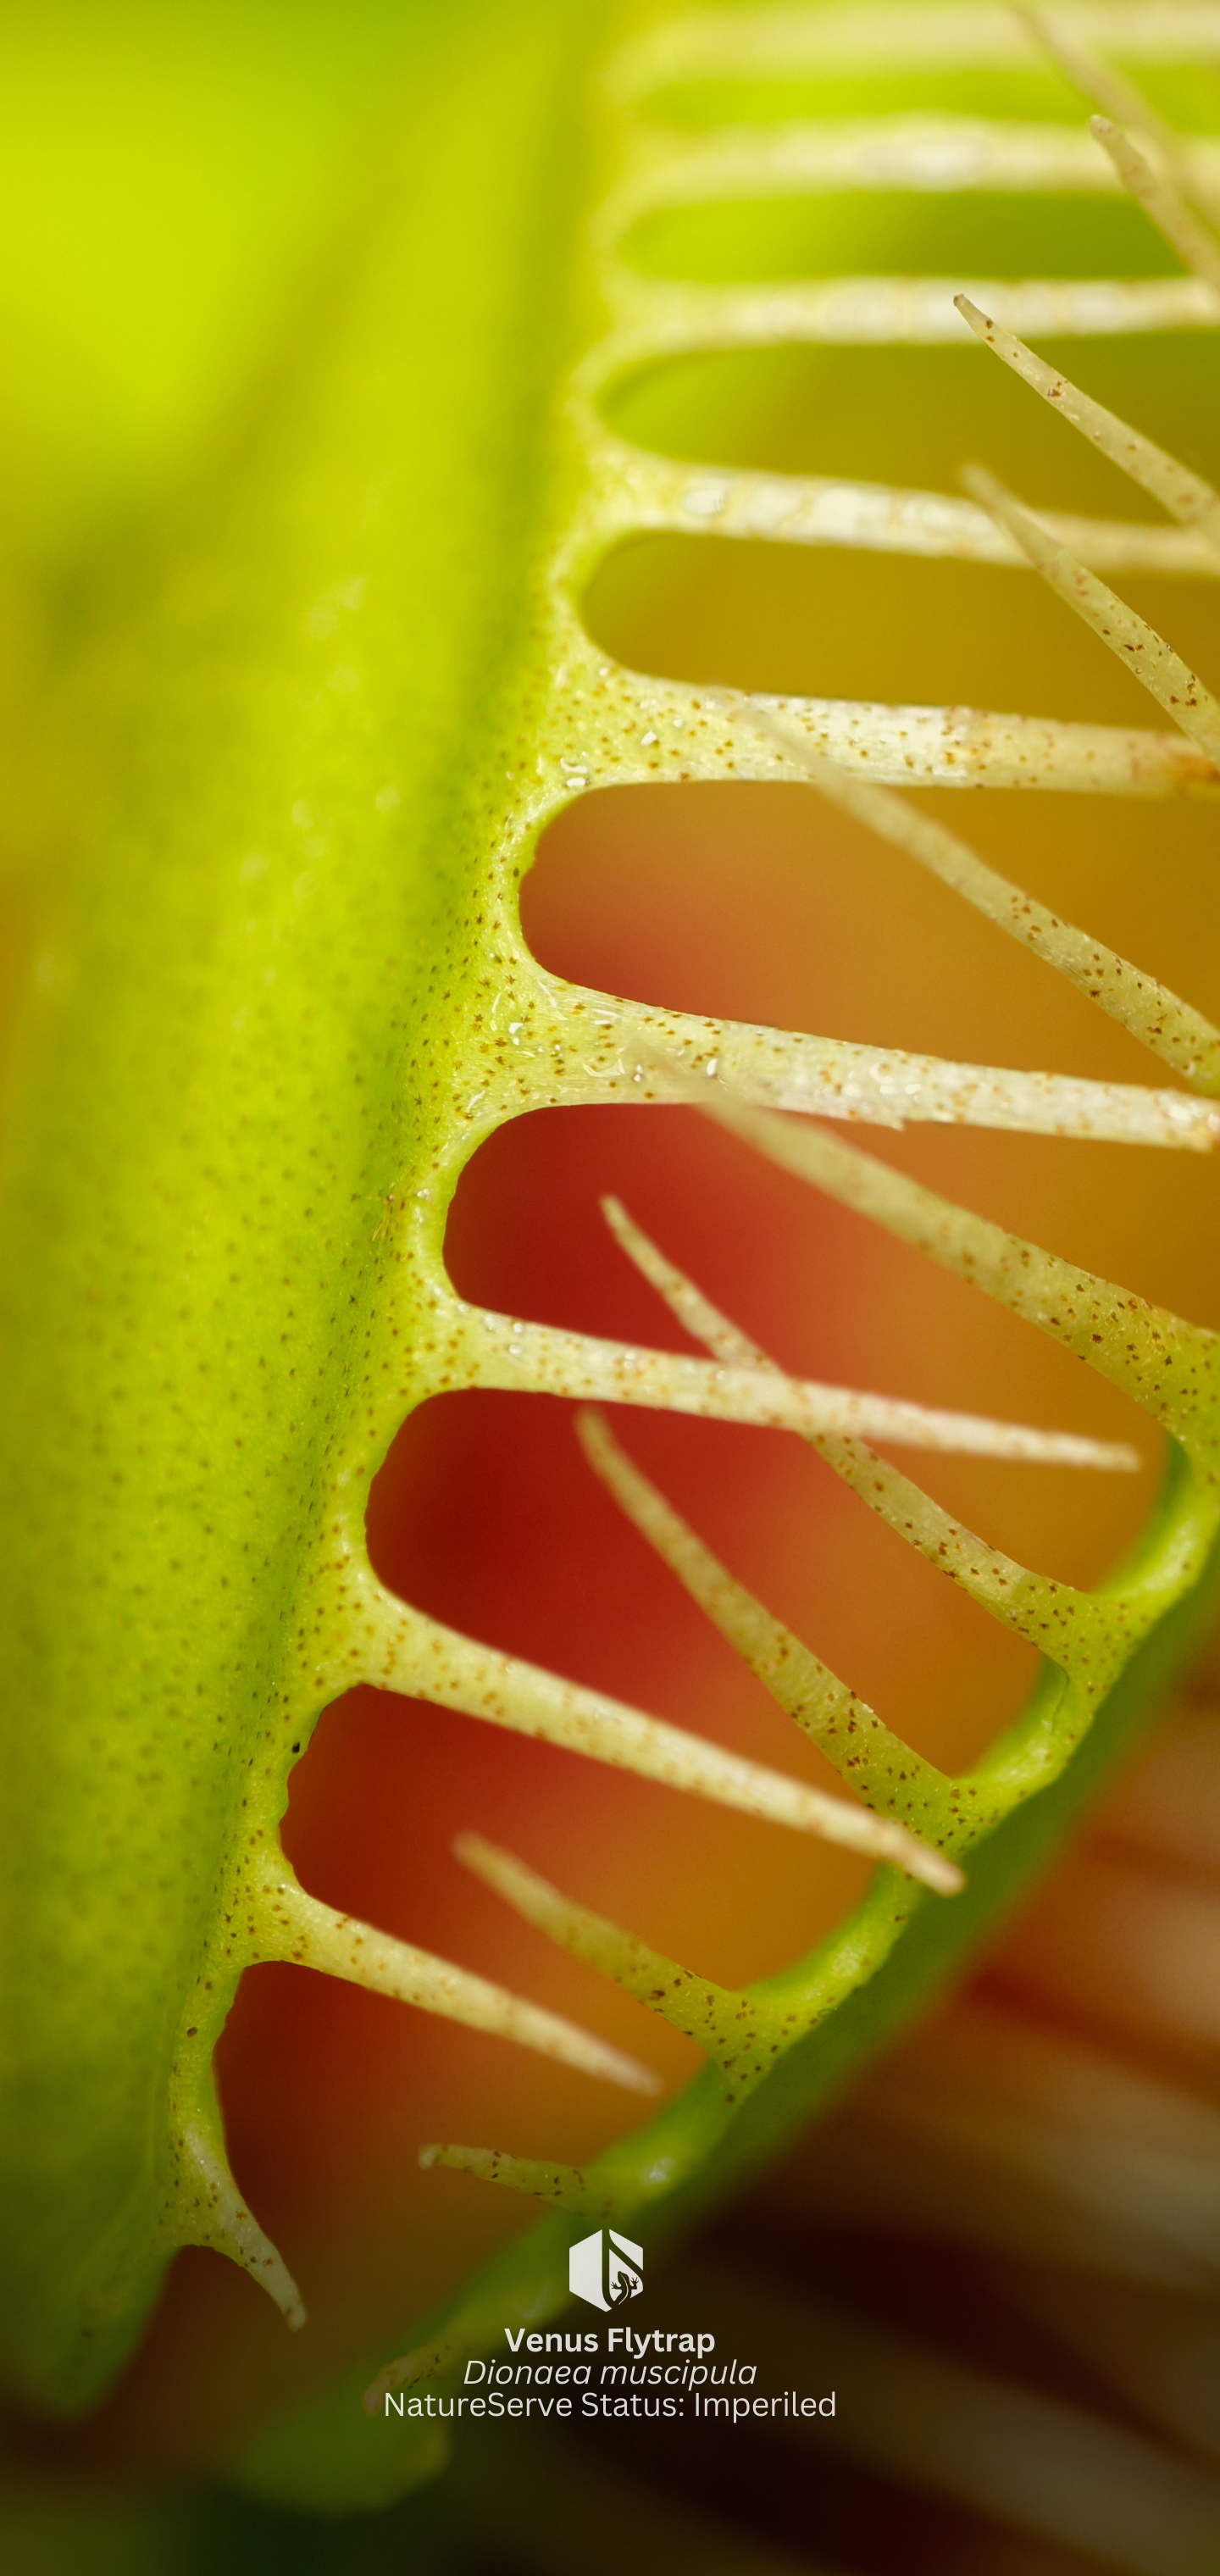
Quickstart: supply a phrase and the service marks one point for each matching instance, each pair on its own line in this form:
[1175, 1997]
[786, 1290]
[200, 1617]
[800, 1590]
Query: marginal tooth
[210, 2211]
[901, 746]
[1138, 646]
[540, 1360]
[656, 322]
[297, 1928]
[703, 1321]
[401, 1650]
[875, 1762]
[1169, 1367]
[652, 1054]
[667, 731]
[744, 2030]
[789, 43]
[1190, 240]
[564, 2186]
[884, 1087]
[1166, 1025]
[1088, 1636]
[637, 491]
[802, 157]
[1118, 98]
[1014, 1596]
[701, 2010]
[1185, 495]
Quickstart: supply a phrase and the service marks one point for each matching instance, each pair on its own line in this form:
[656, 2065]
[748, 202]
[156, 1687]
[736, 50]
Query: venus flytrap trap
[267, 1091]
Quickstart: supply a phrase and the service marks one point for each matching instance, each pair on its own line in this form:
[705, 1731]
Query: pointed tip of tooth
[941, 1875]
[571, 2045]
[593, 2057]
[643, 2080]
[1060, 1449]
[622, 1226]
[980, 483]
[592, 1430]
[888, 1841]
[210, 2211]
[596, 2057]
[476, 1853]
[1114, 1457]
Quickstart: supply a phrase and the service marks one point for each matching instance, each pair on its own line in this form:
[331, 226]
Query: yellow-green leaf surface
[258, 1016]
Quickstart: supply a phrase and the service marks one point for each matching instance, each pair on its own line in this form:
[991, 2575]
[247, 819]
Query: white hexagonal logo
[606, 2269]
